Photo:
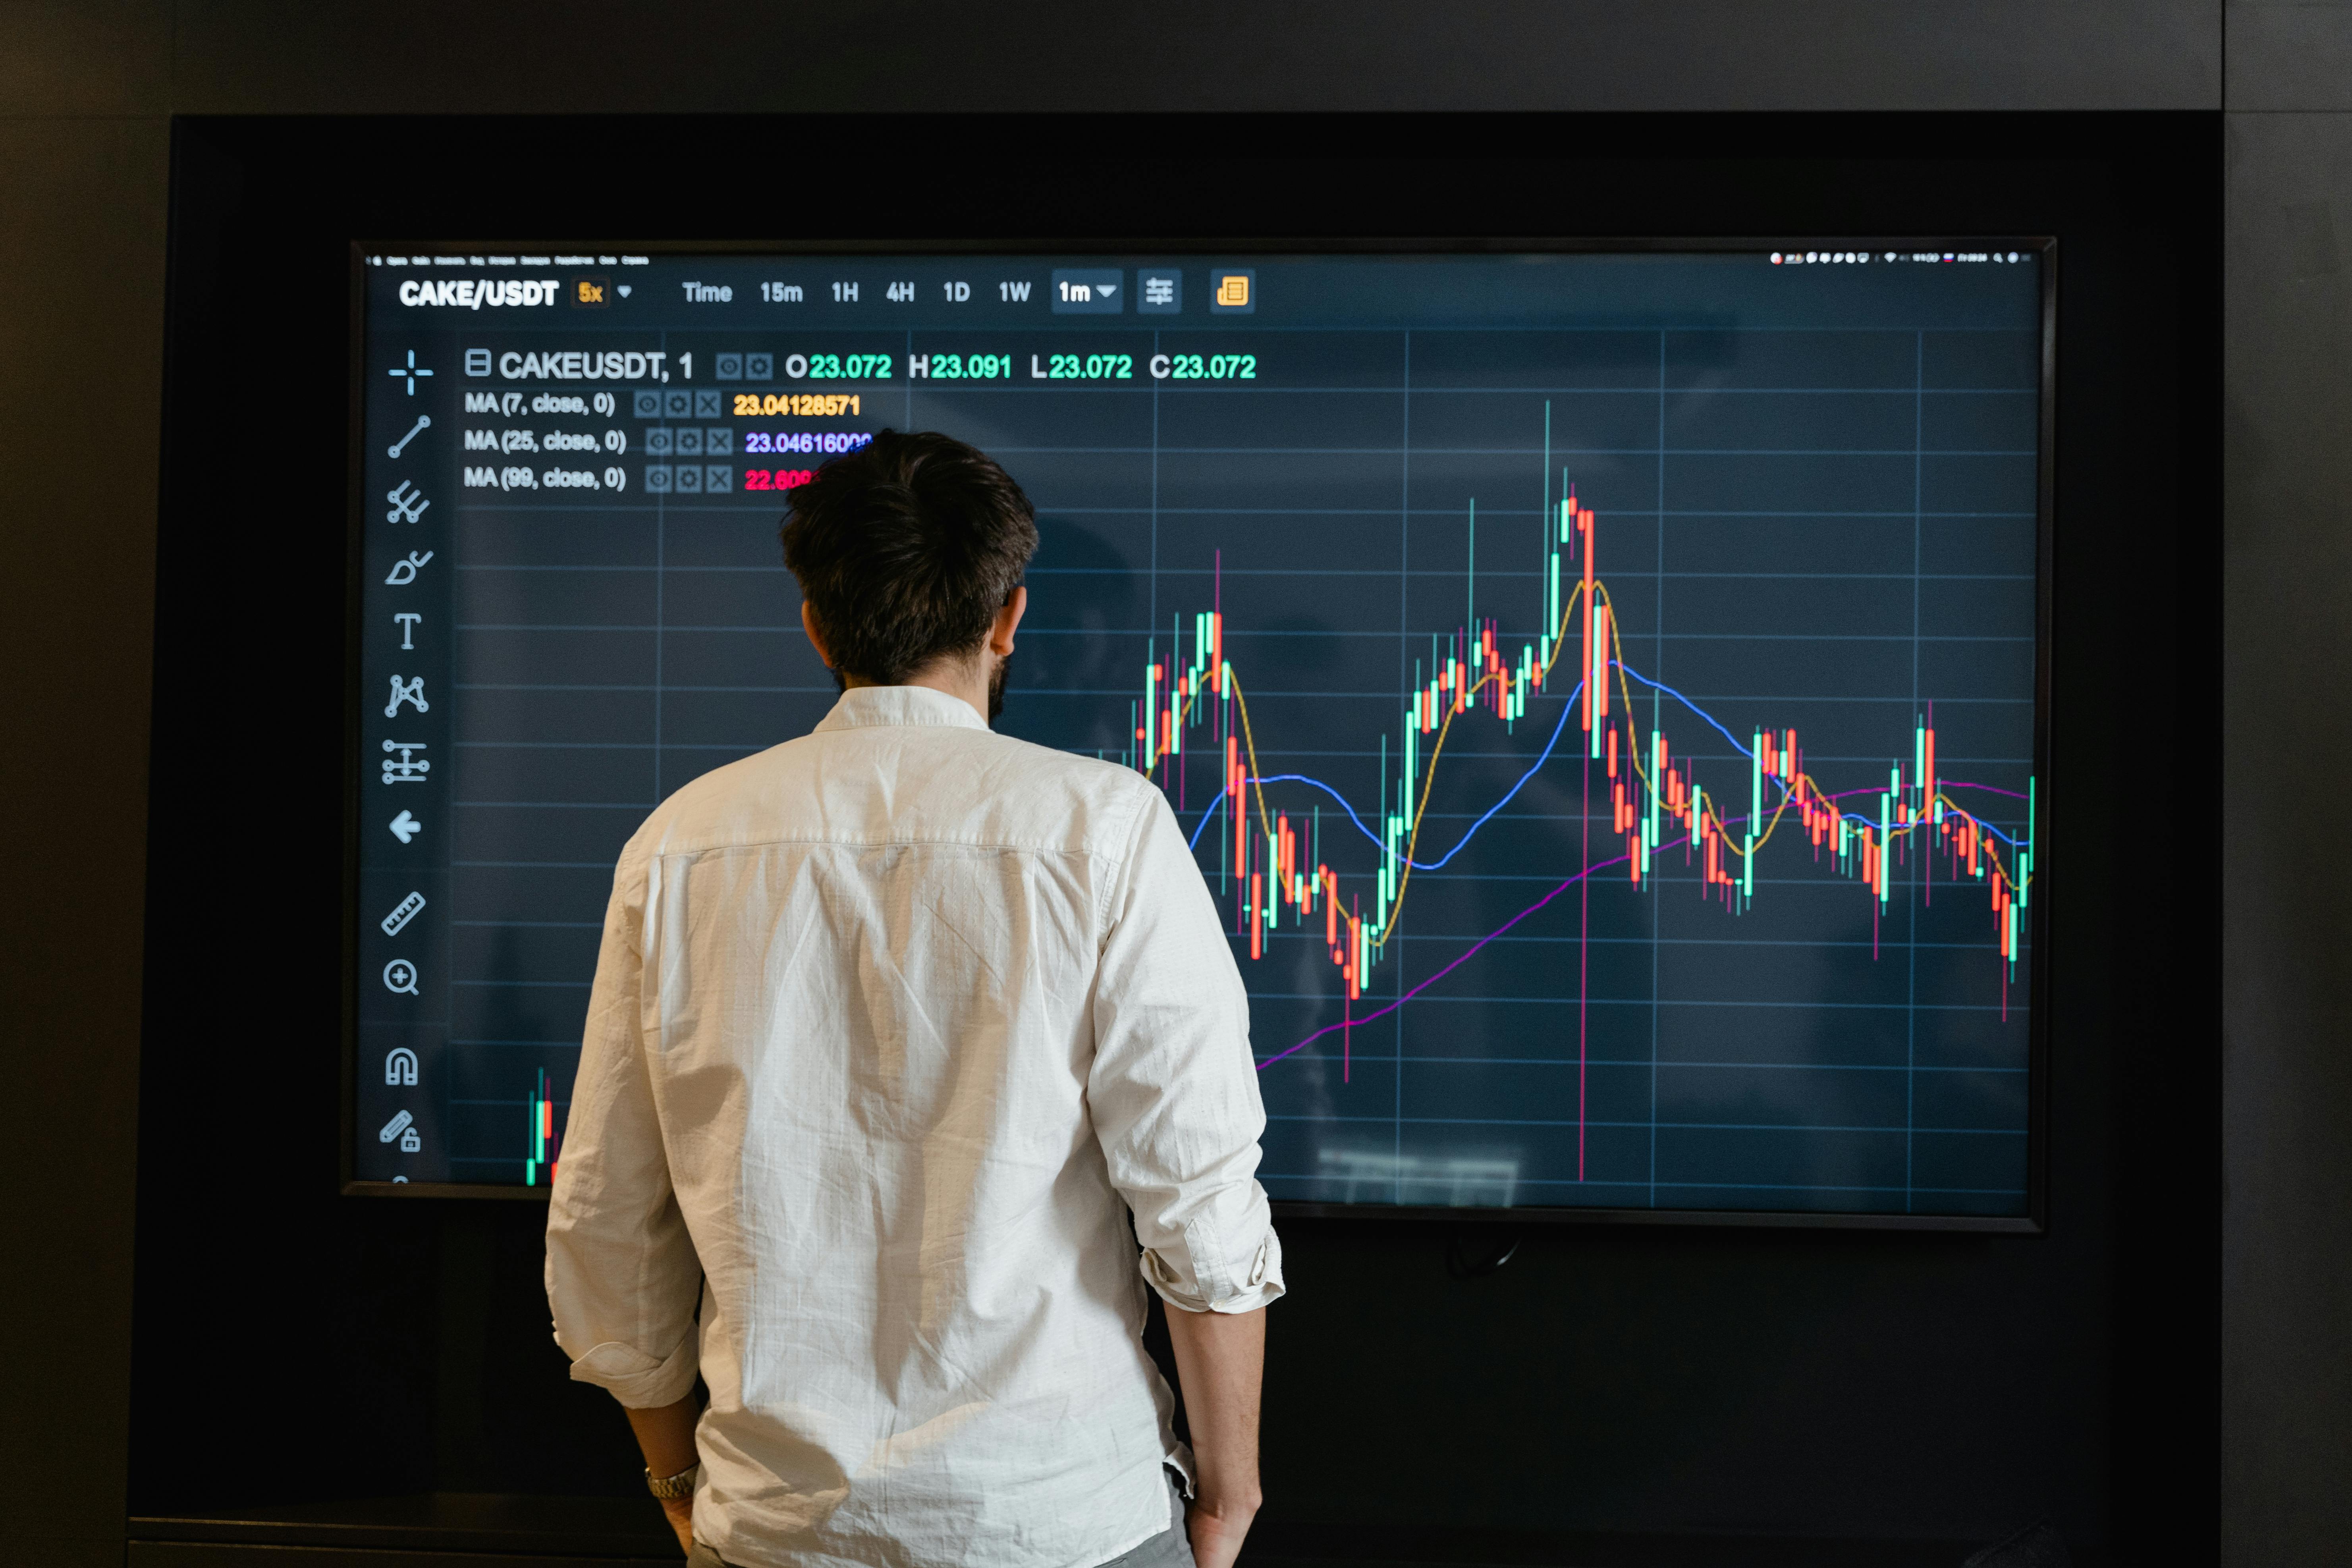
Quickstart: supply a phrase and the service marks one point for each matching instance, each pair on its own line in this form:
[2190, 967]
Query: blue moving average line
[1568, 706]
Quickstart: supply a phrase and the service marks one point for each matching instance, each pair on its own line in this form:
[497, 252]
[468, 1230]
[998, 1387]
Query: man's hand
[1216, 1531]
[666, 1436]
[1220, 1359]
[679, 1511]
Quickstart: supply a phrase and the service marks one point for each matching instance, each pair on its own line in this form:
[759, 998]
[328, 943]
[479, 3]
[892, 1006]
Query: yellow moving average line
[1461, 704]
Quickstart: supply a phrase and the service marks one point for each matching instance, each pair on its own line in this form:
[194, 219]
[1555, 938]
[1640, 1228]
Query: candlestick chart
[1650, 854]
[1270, 864]
[1600, 693]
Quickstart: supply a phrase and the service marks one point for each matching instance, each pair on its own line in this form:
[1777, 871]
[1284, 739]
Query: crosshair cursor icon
[411, 372]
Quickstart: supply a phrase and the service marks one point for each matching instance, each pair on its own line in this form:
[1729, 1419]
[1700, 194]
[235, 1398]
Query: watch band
[678, 1486]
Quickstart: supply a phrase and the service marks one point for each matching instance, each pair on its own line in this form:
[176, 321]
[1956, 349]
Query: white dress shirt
[892, 1026]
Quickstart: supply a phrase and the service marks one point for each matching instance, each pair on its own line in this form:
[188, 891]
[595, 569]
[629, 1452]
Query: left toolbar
[404, 768]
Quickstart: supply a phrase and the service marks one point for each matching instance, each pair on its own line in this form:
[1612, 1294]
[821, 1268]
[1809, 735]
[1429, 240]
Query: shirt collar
[864, 707]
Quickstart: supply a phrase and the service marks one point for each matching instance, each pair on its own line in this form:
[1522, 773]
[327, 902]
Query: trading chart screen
[1599, 687]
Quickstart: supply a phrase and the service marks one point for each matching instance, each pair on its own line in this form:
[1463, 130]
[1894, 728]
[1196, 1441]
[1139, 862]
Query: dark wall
[87, 88]
[2287, 1273]
[81, 271]
[1795, 1383]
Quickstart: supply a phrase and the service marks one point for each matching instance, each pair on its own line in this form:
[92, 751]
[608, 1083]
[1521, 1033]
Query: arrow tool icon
[406, 827]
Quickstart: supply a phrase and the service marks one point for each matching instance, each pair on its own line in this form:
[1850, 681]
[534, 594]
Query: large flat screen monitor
[1601, 687]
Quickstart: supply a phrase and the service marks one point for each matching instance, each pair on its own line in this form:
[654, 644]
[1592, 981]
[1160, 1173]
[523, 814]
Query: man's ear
[1008, 619]
[815, 638]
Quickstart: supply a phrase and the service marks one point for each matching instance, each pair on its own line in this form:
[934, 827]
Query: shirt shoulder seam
[1129, 839]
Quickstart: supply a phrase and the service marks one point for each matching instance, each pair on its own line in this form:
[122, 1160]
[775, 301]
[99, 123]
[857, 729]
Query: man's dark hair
[905, 550]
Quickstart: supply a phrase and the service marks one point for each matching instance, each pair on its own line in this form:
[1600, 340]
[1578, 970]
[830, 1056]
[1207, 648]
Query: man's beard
[995, 686]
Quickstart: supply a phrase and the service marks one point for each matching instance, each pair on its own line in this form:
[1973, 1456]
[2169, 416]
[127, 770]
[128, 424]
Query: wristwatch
[678, 1486]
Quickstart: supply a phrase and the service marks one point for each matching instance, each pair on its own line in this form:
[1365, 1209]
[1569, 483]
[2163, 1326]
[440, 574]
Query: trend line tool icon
[423, 422]
[400, 975]
[408, 503]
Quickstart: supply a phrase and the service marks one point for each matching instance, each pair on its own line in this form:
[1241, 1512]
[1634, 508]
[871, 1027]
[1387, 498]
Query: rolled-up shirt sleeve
[1173, 1088]
[622, 1276]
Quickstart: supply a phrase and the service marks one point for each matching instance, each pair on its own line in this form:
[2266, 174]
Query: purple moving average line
[1989, 789]
[1584, 875]
[1459, 962]
[1467, 954]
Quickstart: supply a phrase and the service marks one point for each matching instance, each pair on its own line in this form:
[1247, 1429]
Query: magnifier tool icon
[400, 975]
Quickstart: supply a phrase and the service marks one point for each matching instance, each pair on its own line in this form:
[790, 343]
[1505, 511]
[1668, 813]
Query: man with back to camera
[893, 1026]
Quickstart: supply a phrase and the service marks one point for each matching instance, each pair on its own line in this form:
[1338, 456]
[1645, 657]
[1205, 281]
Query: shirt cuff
[636, 1379]
[1208, 1288]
